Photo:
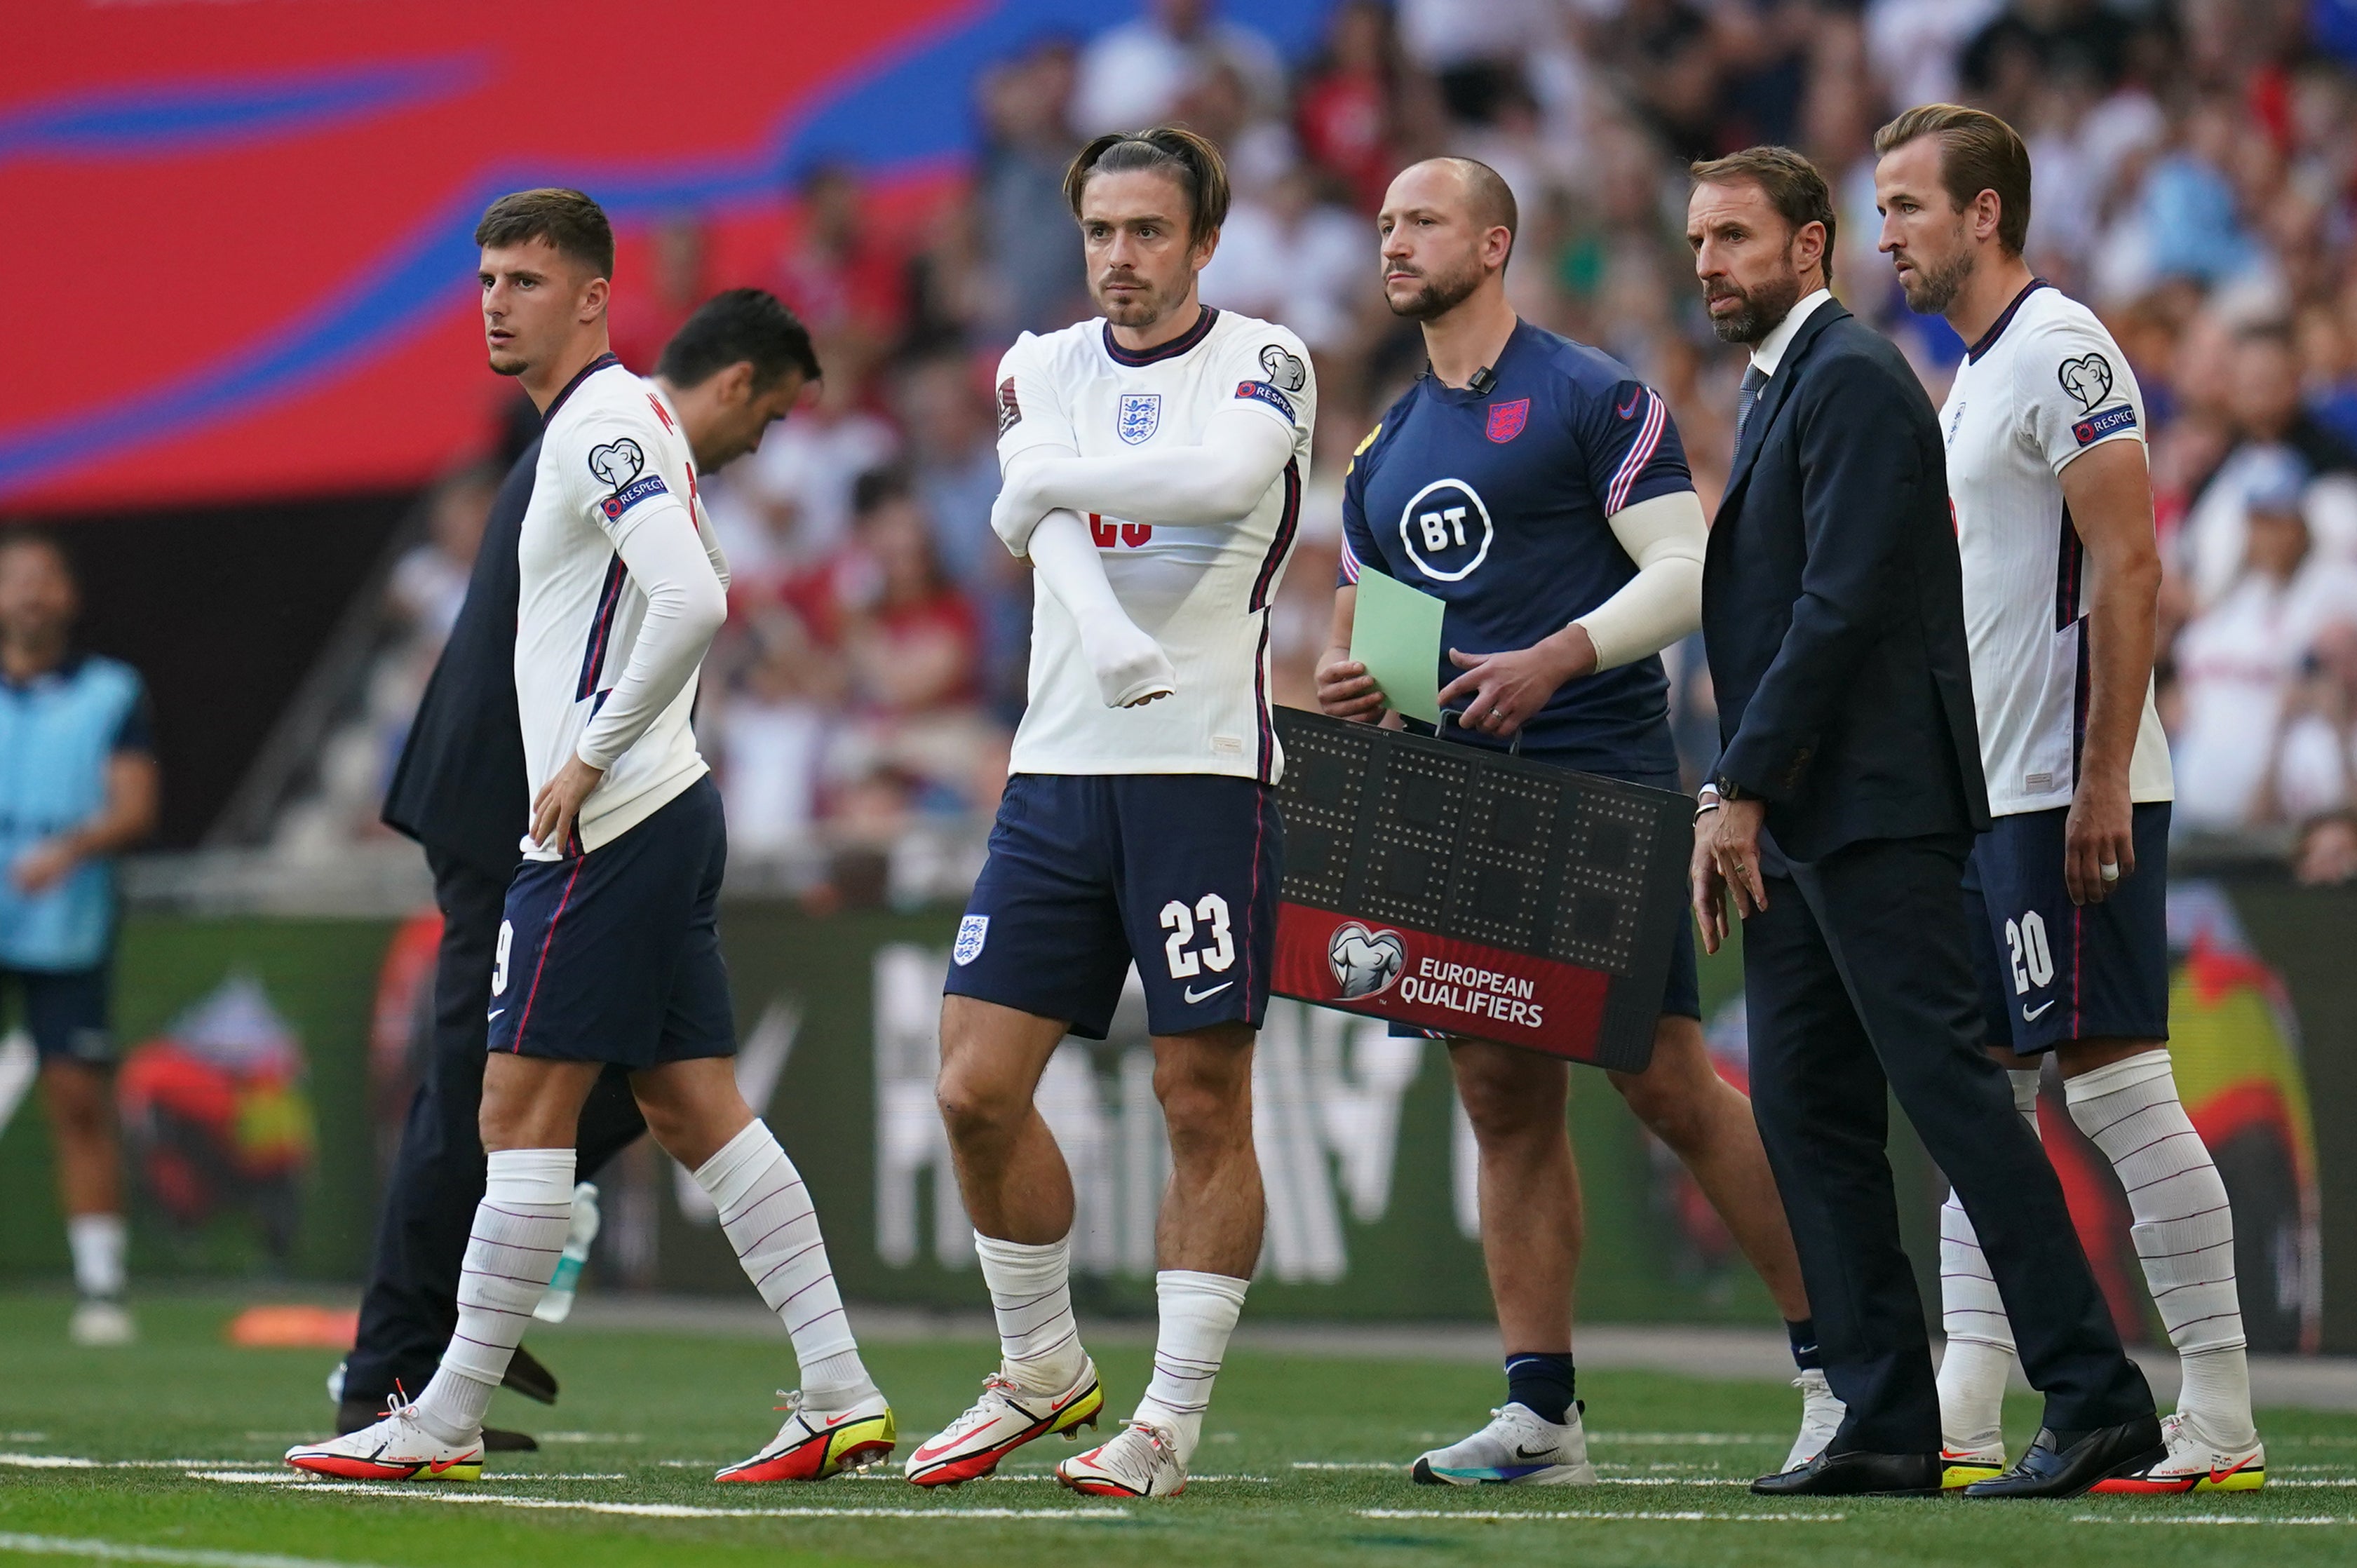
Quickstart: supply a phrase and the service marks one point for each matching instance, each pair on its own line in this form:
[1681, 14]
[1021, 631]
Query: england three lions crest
[1140, 417]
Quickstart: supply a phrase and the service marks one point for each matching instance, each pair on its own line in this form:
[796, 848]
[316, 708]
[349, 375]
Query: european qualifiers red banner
[1469, 892]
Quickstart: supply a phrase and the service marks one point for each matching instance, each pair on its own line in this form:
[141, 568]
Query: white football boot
[2193, 1465]
[814, 1443]
[397, 1448]
[1003, 1420]
[101, 1321]
[1140, 1461]
[1821, 1417]
[1519, 1447]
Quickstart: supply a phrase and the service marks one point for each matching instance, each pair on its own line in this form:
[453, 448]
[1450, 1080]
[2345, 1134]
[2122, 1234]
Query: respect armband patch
[1261, 392]
[631, 495]
[2110, 422]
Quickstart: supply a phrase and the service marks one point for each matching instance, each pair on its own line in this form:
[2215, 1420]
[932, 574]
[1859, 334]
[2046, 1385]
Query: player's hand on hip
[2098, 840]
[559, 802]
[1345, 690]
[1731, 834]
[1707, 889]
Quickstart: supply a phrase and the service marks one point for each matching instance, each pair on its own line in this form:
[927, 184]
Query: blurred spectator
[788, 504]
[2278, 442]
[1349, 104]
[1027, 225]
[2239, 661]
[429, 582]
[2315, 763]
[954, 464]
[642, 319]
[1134, 75]
[838, 275]
[2326, 851]
[1287, 256]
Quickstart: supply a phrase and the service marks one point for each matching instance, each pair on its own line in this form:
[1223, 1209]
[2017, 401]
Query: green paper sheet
[1396, 633]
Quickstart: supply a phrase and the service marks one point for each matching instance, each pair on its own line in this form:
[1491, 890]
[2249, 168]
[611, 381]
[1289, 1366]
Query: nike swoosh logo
[834, 1421]
[2029, 1016]
[495, 1014]
[1521, 1453]
[1192, 996]
[438, 1466]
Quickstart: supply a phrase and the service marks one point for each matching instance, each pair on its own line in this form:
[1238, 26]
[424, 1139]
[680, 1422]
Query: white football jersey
[2043, 386]
[612, 461]
[1203, 591]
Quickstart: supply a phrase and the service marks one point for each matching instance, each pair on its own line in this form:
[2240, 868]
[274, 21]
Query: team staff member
[78, 785]
[1844, 801]
[1539, 488]
[459, 790]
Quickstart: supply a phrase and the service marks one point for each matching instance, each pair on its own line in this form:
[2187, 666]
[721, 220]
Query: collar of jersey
[1996, 329]
[1434, 386]
[1161, 351]
[591, 369]
[64, 670]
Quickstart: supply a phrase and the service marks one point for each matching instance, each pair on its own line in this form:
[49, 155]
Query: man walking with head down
[1844, 803]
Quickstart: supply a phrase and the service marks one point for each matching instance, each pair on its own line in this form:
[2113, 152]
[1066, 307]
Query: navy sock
[1540, 1383]
[1803, 1335]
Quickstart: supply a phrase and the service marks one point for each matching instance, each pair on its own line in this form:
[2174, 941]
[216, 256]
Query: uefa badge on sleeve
[973, 932]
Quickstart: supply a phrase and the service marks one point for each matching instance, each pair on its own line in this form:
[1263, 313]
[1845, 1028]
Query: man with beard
[1539, 486]
[1139, 824]
[2065, 894]
[1843, 805]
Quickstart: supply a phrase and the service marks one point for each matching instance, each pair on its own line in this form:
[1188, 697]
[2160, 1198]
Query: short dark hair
[1491, 198]
[571, 223]
[738, 325]
[23, 536]
[1977, 151]
[1185, 156]
[1790, 182]
[879, 488]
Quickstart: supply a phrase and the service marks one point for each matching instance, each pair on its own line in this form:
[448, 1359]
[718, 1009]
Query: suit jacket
[460, 785]
[1833, 604]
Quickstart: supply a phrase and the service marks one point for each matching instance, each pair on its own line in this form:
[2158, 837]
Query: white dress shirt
[1768, 352]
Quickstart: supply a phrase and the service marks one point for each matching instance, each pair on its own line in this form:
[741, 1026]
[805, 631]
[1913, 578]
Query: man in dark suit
[1845, 797]
[459, 790]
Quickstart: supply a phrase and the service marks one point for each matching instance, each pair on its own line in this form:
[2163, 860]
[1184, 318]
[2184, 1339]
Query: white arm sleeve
[685, 604]
[1665, 536]
[1241, 454]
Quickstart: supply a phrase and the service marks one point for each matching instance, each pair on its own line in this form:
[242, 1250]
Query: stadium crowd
[2196, 165]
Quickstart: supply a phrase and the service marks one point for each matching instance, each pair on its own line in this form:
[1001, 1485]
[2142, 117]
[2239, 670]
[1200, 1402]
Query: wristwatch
[1729, 790]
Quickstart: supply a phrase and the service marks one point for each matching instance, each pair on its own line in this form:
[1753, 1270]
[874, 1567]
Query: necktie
[1749, 394]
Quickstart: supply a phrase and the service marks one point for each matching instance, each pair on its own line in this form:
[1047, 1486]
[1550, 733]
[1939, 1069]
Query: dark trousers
[411, 1303]
[1859, 985]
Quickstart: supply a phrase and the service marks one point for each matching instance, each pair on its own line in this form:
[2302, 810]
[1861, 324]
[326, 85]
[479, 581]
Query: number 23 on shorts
[1180, 922]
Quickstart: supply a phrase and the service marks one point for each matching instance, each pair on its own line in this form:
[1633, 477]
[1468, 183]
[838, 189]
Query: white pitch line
[684, 1511]
[2210, 1518]
[1370, 1465]
[2280, 1481]
[1682, 1439]
[1680, 1518]
[75, 1462]
[296, 1477]
[187, 1557]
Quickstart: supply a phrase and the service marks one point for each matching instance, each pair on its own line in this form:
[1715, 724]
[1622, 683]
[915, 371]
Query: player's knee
[976, 1104]
[1203, 1108]
[77, 1101]
[1505, 1105]
[1668, 1107]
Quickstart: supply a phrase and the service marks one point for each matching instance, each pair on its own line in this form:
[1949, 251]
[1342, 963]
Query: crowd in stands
[2196, 182]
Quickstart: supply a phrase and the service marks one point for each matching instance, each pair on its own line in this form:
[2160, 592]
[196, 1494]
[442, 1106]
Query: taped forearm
[1241, 454]
[685, 604]
[1665, 537]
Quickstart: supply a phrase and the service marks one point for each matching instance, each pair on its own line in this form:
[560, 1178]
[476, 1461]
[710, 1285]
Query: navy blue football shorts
[65, 1011]
[2053, 970]
[1088, 872]
[1682, 992]
[613, 956]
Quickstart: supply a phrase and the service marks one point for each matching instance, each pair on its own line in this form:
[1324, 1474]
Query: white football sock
[1128, 663]
[97, 1241]
[518, 1236]
[2184, 1232]
[1980, 1336]
[766, 1211]
[1031, 1295]
[1197, 1314]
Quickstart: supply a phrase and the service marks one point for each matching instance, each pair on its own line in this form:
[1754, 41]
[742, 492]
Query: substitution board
[1467, 891]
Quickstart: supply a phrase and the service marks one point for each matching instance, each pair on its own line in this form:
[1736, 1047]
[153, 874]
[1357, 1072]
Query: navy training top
[1497, 502]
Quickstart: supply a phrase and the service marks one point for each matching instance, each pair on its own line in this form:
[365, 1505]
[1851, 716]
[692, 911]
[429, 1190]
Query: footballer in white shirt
[610, 954]
[2066, 892]
[1152, 463]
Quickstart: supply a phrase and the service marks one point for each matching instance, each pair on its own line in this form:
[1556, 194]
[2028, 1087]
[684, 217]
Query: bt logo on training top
[1446, 529]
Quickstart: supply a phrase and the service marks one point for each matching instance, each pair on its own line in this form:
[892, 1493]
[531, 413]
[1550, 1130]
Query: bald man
[1539, 488]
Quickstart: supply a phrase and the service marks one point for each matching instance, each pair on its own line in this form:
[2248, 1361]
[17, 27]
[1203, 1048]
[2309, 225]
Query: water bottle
[556, 1302]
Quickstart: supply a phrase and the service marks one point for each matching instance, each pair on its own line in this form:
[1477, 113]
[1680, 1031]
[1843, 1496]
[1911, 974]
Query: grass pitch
[166, 1454]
